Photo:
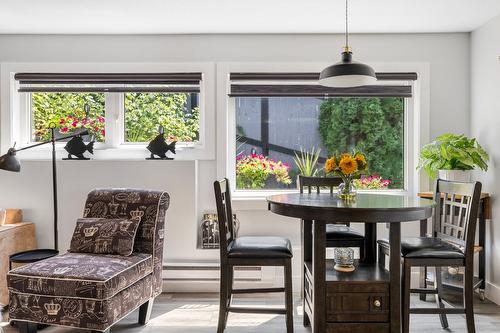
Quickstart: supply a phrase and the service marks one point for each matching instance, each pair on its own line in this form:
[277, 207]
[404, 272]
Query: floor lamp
[9, 162]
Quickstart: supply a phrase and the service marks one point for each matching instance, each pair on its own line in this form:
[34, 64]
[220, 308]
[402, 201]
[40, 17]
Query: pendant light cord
[346, 25]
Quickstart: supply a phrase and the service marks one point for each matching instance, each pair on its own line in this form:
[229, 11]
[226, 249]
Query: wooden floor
[197, 313]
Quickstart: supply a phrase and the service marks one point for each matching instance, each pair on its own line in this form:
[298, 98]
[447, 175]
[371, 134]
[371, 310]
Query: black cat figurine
[159, 147]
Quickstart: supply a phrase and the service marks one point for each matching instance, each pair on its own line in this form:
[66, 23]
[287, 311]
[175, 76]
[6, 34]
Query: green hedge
[371, 125]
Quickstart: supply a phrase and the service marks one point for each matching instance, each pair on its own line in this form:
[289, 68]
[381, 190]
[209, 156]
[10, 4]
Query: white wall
[447, 56]
[485, 125]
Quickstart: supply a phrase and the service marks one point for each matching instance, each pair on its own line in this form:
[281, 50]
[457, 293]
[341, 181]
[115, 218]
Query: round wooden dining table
[368, 299]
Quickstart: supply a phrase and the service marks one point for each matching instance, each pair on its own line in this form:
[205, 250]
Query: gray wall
[485, 126]
[447, 54]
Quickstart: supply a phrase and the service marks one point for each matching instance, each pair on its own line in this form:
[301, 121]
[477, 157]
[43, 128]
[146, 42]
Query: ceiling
[241, 16]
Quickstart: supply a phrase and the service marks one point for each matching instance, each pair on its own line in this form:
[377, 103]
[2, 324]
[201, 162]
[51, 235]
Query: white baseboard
[198, 278]
[193, 286]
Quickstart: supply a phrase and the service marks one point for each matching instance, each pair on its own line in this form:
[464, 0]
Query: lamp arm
[85, 132]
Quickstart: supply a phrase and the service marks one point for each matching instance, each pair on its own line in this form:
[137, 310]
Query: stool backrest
[224, 215]
[308, 183]
[456, 212]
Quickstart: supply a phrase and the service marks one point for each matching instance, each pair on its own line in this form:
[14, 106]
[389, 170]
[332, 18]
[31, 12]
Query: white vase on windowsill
[455, 175]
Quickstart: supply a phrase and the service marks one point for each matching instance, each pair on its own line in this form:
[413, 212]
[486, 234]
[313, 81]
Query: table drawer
[357, 328]
[357, 307]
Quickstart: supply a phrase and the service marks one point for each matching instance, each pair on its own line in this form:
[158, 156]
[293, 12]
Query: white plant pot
[455, 175]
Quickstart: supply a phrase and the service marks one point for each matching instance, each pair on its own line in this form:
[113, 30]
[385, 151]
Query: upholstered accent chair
[94, 291]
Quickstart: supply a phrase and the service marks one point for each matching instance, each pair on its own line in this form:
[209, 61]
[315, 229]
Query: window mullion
[112, 107]
[26, 120]
[120, 123]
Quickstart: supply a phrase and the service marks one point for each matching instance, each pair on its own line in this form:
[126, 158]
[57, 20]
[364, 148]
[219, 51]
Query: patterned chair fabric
[81, 275]
[149, 207]
[94, 291]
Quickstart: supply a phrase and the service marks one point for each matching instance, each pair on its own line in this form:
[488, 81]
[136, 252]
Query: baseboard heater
[208, 273]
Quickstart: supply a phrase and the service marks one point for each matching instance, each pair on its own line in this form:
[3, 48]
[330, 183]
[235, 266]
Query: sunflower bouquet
[346, 166]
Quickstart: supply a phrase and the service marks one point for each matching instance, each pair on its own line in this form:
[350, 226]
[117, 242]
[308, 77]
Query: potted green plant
[453, 157]
[307, 162]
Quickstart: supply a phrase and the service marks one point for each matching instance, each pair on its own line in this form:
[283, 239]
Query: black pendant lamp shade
[347, 73]
[9, 161]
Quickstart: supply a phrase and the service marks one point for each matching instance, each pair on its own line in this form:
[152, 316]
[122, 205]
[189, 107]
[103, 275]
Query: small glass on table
[344, 259]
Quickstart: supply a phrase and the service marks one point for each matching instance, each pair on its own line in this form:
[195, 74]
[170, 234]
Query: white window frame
[16, 111]
[416, 122]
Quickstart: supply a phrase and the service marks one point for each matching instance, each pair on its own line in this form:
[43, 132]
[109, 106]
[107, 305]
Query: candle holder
[344, 259]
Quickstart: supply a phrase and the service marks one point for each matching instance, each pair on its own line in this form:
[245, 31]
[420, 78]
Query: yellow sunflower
[361, 160]
[344, 155]
[330, 165]
[348, 164]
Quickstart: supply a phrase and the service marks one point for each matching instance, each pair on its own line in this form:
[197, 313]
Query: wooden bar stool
[338, 234]
[452, 244]
[248, 251]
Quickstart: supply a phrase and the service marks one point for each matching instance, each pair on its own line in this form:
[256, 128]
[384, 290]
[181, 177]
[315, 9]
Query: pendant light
[347, 73]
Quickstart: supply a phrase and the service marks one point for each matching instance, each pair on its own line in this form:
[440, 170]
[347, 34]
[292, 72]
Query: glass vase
[346, 190]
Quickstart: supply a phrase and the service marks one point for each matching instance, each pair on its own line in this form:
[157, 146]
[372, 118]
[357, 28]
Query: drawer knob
[377, 303]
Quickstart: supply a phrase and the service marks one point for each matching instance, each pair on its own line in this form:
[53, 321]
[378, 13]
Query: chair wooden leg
[230, 286]
[145, 312]
[469, 297]
[26, 327]
[223, 298]
[423, 282]
[288, 296]
[369, 245]
[381, 256]
[438, 284]
[306, 322]
[306, 255]
[406, 297]
[362, 253]
[423, 270]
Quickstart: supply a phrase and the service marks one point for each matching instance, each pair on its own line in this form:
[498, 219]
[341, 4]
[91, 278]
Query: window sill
[123, 153]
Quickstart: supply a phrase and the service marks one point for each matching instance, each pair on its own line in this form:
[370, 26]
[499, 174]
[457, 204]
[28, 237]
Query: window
[274, 122]
[144, 102]
[177, 113]
[67, 112]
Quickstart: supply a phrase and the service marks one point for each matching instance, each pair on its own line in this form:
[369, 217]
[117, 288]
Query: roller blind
[305, 85]
[109, 82]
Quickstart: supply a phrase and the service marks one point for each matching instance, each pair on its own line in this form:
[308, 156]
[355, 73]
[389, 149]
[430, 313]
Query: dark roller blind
[300, 90]
[311, 76]
[109, 82]
[305, 85]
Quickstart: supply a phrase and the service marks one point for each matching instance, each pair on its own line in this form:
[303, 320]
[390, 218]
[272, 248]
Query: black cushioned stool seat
[335, 231]
[426, 247]
[260, 247]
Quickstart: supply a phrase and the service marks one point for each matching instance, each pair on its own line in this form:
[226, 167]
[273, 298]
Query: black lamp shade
[9, 161]
[347, 73]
